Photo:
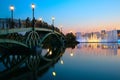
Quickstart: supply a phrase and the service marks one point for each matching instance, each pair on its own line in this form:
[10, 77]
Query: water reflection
[30, 66]
[90, 61]
[61, 61]
[100, 48]
[86, 61]
[71, 52]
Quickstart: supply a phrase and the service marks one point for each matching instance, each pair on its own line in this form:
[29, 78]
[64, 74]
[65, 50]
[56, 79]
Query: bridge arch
[49, 34]
[33, 39]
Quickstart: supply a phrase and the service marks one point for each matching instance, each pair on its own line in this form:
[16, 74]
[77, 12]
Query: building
[110, 36]
[104, 36]
[118, 35]
[78, 36]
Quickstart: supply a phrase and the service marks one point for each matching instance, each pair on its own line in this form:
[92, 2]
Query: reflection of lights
[54, 73]
[50, 52]
[62, 62]
[105, 46]
[93, 45]
[93, 40]
[71, 54]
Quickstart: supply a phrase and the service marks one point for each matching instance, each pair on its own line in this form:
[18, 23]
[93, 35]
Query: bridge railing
[7, 23]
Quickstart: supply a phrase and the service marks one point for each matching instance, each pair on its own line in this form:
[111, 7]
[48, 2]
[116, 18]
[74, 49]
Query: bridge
[25, 48]
[23, 33]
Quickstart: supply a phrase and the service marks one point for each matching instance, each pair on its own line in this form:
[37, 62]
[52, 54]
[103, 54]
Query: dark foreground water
[87, 61]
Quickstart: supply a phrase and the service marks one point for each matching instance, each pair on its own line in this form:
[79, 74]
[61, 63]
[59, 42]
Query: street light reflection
[48, 50]
[54, 73]
[50, 53]
[62, 62]
[71, 53]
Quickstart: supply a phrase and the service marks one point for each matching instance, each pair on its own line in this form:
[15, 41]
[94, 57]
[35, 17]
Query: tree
[70, 37]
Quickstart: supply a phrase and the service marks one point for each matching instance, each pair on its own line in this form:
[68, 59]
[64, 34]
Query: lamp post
[61, 29]
[33, 6]
[12, 9]
[53, 19]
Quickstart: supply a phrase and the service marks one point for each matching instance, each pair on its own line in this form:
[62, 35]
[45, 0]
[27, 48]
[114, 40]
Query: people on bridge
[27, 22]
[33, 22]
[19, 22]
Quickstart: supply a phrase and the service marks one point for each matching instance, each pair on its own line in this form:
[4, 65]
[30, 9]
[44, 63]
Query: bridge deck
[7, 31]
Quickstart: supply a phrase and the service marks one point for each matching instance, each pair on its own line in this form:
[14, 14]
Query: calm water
[87, 61]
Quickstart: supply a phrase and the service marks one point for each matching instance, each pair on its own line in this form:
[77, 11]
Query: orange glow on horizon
[90, 29]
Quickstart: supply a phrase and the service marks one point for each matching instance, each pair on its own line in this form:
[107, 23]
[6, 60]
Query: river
[85, 61]
[88, 61]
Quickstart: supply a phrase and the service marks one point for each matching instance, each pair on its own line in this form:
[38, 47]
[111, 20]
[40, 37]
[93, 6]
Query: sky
[72, 15]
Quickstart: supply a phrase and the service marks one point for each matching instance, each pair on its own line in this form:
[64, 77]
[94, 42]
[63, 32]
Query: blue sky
[76, 15]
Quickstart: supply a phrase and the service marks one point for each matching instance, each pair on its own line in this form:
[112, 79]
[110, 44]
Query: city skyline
[76, 16]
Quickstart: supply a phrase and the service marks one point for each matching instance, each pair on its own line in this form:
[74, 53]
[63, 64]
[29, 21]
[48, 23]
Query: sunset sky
[75, 15]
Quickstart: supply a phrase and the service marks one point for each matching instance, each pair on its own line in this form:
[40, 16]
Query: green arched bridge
[23, 34]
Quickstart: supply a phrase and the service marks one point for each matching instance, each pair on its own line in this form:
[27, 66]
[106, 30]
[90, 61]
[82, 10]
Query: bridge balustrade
[17, 23]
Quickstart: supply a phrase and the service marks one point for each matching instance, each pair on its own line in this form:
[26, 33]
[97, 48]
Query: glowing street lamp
[33, 6]
[12, 9]
[40, 19]
[41, 22]
[53, 19]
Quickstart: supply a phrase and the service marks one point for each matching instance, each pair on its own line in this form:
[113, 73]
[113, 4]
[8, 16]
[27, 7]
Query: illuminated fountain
[94, 38]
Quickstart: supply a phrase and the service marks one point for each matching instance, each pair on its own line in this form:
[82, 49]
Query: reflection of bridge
[28, 65]
[27, 36]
